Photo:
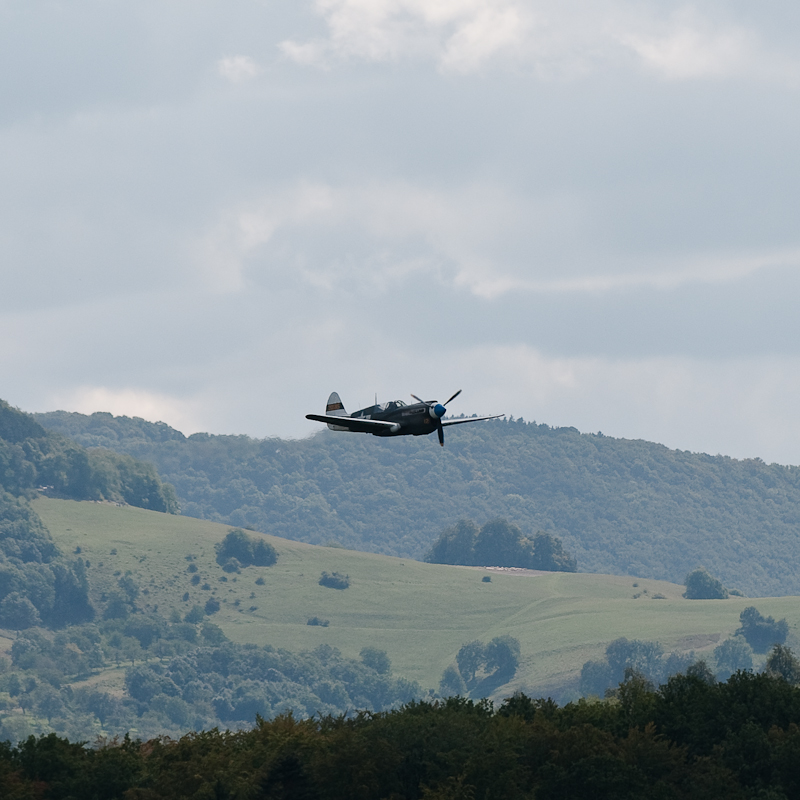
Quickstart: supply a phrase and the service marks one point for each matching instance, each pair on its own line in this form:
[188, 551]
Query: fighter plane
[393, 419]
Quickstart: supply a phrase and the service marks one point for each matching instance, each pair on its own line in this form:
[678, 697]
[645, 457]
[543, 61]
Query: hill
[181, 641]
[420, 614]
[619, 506]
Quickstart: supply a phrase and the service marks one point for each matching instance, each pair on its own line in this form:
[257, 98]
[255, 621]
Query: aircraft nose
[439, 410]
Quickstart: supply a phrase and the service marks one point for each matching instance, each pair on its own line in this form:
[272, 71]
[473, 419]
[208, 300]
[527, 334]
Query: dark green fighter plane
[393, 419]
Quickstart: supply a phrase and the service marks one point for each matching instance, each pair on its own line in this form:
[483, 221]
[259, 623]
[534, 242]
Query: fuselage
[415, 419]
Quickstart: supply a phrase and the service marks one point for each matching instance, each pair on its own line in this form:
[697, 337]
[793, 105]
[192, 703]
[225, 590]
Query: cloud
[476, 237]
[238, 69]
[180, 412]
[688, 46]
[676, 40]
[460, 34]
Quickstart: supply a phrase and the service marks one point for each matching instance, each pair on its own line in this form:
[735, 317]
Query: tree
[246, 550]
[702, 586]
[549, 554]
[376, 659]
[731, 656]
[782, 663]
[640, 656]
[17, 612]
[502, 655]
[470, 659]
[451, 684]
[761, 632]
[595, 678]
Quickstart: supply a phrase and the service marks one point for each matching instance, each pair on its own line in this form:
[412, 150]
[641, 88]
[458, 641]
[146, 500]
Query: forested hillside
[38, 583]
[619, 506]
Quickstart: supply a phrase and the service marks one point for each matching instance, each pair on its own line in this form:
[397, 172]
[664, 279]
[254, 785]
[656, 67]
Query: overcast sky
[583, 212]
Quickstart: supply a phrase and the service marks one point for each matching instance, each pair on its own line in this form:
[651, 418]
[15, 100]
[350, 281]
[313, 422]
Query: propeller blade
[417, 399]
[453, 397]
[440, 431]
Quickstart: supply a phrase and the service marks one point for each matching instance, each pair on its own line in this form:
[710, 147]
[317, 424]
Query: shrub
[194, 615]
[247, 550]
[323, 623]
[334, 580]
[702, 586]
[212, 606]
[487, 579]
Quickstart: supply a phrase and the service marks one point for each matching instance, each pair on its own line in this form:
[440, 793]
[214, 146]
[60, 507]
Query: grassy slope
[419, 613]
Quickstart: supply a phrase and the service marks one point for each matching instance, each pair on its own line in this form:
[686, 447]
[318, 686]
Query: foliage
[500, 544]
[334, 580]
[481, 668]
[732, 655]
[37, 583]
[246, 550]
[690, 738]
[180, 675]
[782, 663]
[620, 506]
[32, 457]
[761, 632]
[702, 586]
[644, 659]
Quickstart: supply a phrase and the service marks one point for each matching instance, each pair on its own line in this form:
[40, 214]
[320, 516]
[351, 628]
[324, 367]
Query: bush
[702, 586]
[212, 606]
[323, 623]
[246, 550]
[334, 580]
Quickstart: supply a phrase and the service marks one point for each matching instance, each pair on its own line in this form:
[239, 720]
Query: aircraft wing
[353, 423]
[469, 419]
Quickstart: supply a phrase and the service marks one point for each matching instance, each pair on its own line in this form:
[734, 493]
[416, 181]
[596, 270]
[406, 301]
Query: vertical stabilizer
[335, 408]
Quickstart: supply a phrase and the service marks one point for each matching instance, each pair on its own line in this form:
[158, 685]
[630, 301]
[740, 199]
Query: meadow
[420, 614]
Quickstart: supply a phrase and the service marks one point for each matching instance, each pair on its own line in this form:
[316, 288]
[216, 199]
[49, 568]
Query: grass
[420, 614]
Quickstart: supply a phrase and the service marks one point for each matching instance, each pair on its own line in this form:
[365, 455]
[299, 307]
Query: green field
[420, 614]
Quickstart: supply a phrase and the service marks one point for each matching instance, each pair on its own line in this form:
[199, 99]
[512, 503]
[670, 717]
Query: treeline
[32, 458]
[39, 585]
[691, 738]
[619, 506]
[756, 635]
[498, 543]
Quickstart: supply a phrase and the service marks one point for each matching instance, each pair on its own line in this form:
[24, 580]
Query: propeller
[437, 411]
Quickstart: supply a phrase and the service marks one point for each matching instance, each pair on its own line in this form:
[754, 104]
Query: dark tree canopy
[702, 586]
[499, 543]
[247, 550]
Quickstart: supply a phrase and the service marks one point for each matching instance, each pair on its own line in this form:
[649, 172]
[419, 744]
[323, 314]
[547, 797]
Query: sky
[583, 213]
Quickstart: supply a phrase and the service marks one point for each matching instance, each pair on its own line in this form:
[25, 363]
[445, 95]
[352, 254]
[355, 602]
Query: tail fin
[335, 408]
